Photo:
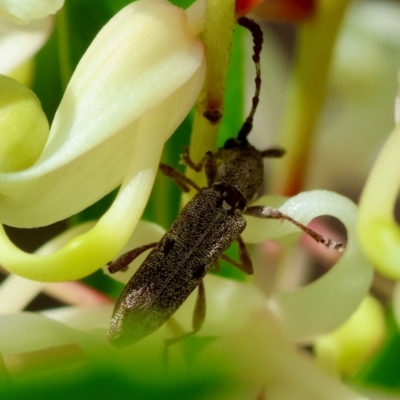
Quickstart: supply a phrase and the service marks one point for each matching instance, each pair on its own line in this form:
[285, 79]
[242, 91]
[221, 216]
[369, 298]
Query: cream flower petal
[329, 301]
[30, 332]
[88, 252]
[138, 60]
[260, 354]
[17, 292]
[18, 43]
[86, 318]
[25, 11]
[128, 97]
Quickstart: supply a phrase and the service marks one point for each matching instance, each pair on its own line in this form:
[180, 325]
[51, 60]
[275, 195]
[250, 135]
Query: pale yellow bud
[350, 346]
[23, 126]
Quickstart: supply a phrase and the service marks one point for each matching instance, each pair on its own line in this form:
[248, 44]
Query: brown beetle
[204, 229]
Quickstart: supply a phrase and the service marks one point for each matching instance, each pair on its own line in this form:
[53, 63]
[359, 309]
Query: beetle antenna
[257, 34]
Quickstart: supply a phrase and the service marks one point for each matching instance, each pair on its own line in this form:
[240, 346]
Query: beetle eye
[230, 144]
[235, 143]
[241, 204]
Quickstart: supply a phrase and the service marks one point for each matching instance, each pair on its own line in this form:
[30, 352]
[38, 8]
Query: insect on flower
[204, 229]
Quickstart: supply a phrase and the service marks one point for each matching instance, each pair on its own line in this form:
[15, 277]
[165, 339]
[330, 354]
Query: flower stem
[219, 25]
[63, 49]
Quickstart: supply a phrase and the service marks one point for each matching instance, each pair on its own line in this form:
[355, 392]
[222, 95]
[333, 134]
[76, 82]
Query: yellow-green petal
[378, 231]
[351, 345]
[90, 251]
[327, 302]
[24, 126]
[141, 58]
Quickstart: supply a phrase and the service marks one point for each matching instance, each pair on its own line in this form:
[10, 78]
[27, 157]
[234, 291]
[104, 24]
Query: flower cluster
[135, 84]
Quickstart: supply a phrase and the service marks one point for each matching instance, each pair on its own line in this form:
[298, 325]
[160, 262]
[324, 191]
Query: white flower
[18, 43]
[25, 27]
[132, 88]
[23, 12]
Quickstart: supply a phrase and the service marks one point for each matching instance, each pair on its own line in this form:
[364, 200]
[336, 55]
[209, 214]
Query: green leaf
[383, 369]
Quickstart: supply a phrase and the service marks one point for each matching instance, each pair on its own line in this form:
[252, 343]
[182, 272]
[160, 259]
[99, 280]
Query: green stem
[63, 49]
[316, 41]
[219, 25]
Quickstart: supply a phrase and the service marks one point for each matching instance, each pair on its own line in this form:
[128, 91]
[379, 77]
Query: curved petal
[86, 318]
[25, 11]
[260, 354]
[329, 301]
[378, 230]
[88, 252]
[138, 61]
[17, 292]
[18, 43]
[43, 333]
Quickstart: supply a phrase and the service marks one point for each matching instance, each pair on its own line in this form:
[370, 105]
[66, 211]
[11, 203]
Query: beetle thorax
[243, 168]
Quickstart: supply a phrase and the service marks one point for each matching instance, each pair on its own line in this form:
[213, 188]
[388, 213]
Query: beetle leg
[186, 159]
[122, 262]
[208, 162]
[181, 180]
[199, 316]
[245, 264]
[275, 152]
[210, 168]
[273, 213]
[245, 261]
[230, 260]
[217, 267]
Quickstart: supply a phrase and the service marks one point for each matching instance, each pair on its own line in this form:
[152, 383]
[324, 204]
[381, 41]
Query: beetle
[210, 222]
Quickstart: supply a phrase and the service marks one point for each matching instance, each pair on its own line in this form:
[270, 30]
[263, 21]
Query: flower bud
[23, 126]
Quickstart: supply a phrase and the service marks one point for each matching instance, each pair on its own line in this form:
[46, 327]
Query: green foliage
[112, 379]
